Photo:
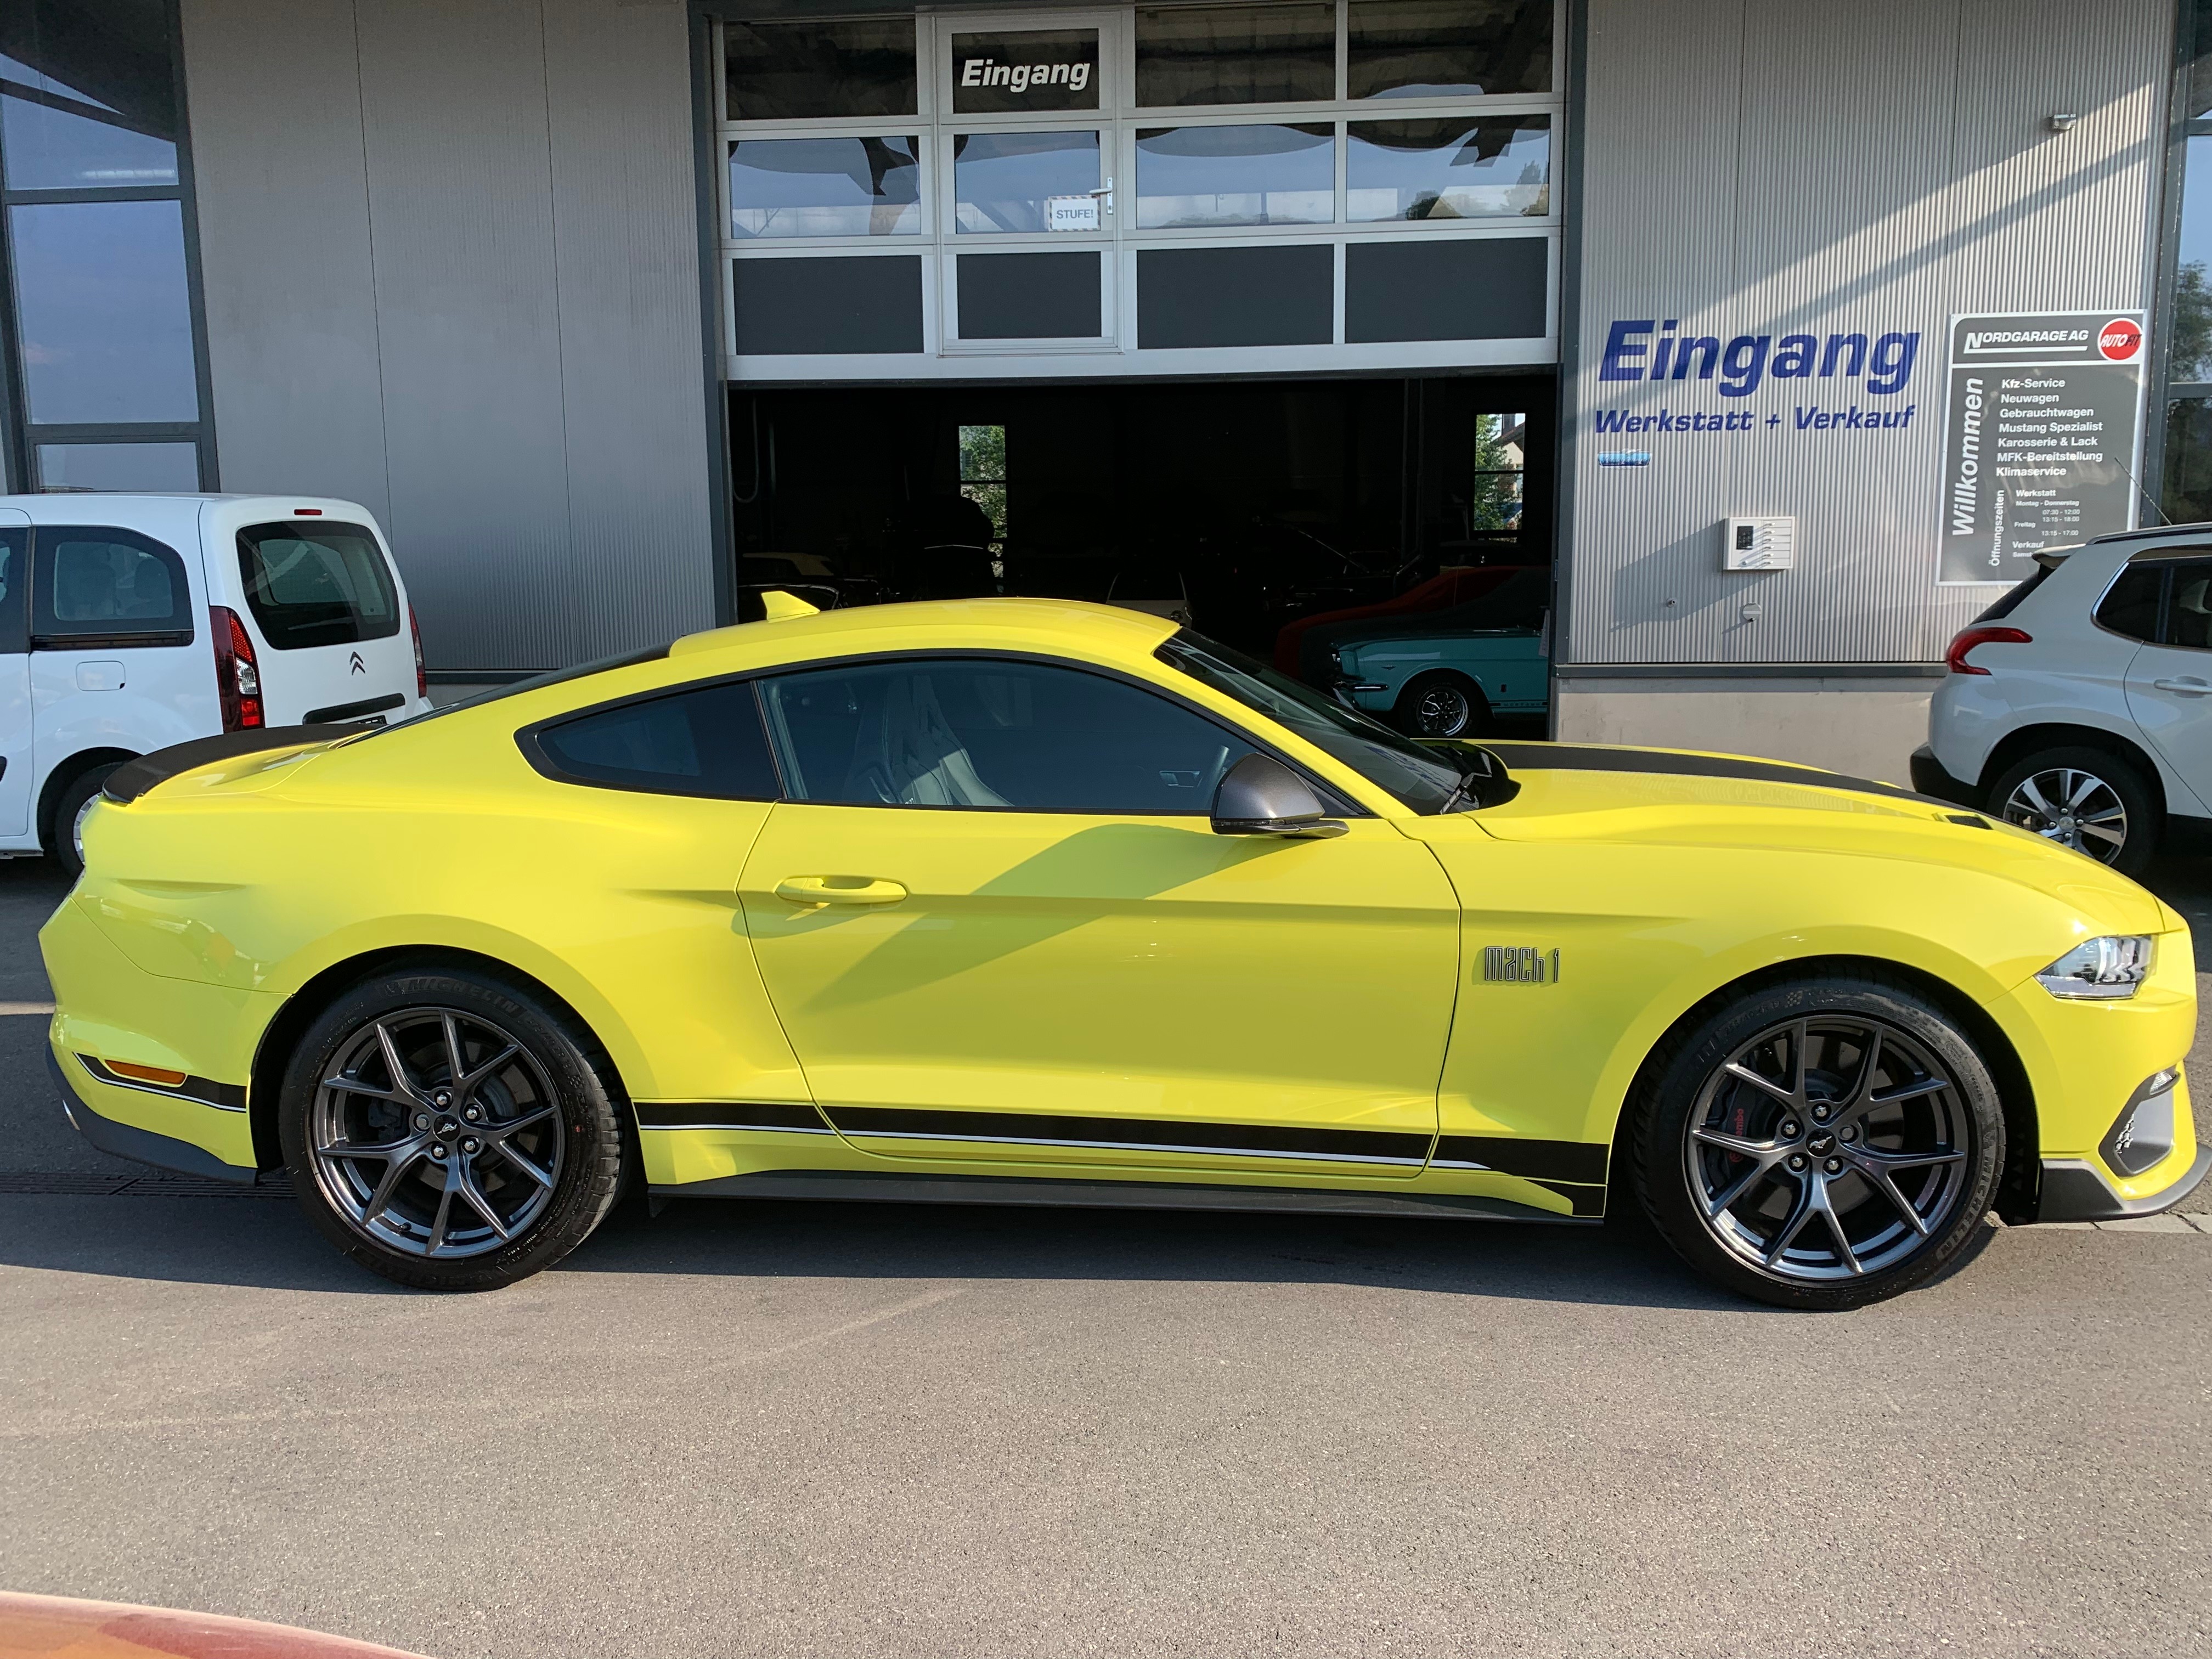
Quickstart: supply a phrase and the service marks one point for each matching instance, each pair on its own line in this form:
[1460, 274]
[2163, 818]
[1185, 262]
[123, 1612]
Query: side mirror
[1263, 797]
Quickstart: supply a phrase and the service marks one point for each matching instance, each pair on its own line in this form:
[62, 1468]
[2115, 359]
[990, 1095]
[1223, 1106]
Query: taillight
[1956, 658]
[237, 674]
[421, 674]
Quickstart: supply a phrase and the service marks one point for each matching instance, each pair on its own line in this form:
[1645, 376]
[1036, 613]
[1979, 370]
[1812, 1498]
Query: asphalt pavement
[783, 1429]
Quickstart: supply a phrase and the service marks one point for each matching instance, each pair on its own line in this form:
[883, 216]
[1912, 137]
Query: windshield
[1428, 781]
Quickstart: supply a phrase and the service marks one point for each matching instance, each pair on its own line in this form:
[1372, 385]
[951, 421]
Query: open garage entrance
[1410, 517]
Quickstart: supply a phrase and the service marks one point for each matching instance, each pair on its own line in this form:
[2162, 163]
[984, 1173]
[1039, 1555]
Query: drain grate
[72, 1183]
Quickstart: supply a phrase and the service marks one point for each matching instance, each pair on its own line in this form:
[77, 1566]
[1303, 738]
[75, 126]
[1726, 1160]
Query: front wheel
[2085, 799]
[449, 1131]
[1440, 705]
[1823, 1142]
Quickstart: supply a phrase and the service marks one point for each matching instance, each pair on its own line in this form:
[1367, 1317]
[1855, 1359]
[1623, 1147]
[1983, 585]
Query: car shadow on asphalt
[265, 1244]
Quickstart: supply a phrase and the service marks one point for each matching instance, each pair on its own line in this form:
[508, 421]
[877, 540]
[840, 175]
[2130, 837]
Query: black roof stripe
[1579, 758]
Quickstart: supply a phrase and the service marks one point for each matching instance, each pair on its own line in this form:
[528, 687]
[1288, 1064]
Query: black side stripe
[1256, 1140]
[1546, 1161]
[1575, 757]
[206, 1091]
[1588, 1200]
[730, 1115]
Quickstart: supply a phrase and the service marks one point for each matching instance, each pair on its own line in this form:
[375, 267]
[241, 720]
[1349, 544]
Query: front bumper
[1929, 778]
[2075, 1189]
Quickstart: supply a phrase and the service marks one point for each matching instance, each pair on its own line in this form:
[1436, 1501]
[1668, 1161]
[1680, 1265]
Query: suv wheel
[2086, 798]
[446, 1131]
[1442, 705]
[1823, 1143]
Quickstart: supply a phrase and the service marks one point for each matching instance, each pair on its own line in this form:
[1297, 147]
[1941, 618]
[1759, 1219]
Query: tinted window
[1271, 54]
[780, 71]
[322, 584]
[110, 586]
[702, 741]
[14, 546]
[2189, 611]
[2130, 606]
[2013, 596]
[1011, 736]
[1448, 48]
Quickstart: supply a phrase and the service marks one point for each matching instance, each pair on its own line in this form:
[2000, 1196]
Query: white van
[131, 623]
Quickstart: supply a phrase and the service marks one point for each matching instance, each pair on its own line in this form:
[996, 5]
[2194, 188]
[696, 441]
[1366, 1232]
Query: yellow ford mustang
[1018, 902]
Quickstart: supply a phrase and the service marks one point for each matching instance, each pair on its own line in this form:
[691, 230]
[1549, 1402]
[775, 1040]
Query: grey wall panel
[284, 247]
[451, 252]
[1856, 165]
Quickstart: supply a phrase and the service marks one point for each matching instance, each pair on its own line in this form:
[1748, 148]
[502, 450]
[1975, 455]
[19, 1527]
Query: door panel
[2169, 680]
[1065, 986]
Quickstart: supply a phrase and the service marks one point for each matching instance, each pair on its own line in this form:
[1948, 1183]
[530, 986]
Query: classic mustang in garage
[1006, 900]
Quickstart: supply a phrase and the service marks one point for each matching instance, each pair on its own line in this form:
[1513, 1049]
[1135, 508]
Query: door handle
[2188, 687]
[839, 890]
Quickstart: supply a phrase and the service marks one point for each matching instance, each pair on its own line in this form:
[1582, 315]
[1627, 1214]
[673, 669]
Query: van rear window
[321, 583]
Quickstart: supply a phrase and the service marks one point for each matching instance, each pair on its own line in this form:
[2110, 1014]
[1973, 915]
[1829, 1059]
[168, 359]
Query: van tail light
[237, 674]
[421, 674]
[1956, 658]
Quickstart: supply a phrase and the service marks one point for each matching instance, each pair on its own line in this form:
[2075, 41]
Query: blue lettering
[1609, 420]
[1743, 364]
[1838, 343]
[1704, 346]
[1793, 357]
[1893, 361]
[1619, 351]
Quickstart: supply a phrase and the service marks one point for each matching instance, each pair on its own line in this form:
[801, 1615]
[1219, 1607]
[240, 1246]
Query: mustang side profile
[1029, 901]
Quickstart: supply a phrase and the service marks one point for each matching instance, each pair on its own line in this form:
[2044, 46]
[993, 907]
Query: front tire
[1440, 704]
[2087, 800]
[450, 1131]
[1823, 1142]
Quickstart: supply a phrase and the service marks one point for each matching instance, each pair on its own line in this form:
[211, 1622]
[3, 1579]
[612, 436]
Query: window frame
[41, 567]
[2165, 559]
[1334, 800]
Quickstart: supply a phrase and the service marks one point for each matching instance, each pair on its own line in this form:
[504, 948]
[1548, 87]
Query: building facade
[1773, 338]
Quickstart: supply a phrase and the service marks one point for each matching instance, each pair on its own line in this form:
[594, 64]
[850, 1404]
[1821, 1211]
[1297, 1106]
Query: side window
[705, 742]
[107, 588]
[2130, 605]
[993, 733]
[14, 558]
[2188, 608]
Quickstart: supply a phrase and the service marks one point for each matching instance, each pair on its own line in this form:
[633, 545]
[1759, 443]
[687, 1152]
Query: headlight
[2100, 967]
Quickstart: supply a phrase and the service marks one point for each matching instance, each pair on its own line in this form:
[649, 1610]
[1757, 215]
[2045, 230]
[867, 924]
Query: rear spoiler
[134, 778]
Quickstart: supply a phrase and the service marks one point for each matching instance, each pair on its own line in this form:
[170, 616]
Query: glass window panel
[797, 70]
[1021, 71]
[2186, 494]
[2130, 605]
[706, 742]
[1453, 168]
[1004, 181]
[2188, 608]
[1242, 175]
[1274, 54]
[132, 467]
[79, 119]
[824, 187]
[1448, 48]
[995, 735]
[320, 584]
[105, 316]
[108, 584]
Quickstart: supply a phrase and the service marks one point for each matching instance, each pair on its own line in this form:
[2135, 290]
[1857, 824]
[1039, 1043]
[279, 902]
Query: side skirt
[1047, 1192]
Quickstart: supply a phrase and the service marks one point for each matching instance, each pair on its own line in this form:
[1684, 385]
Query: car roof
[1103, 630]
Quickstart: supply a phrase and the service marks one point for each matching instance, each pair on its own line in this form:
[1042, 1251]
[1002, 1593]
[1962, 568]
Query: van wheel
[2086, 798]
[66, 846]
[448, 1131]
[1440, 704]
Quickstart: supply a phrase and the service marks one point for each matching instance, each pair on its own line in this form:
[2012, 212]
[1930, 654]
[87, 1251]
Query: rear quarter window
[317, 584]
[97, 585]
[2130, 607]
[705, 741]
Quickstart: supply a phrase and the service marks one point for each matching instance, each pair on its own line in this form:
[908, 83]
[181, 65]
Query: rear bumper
[1929, 778]
[140, 1145]
[2075, 1189]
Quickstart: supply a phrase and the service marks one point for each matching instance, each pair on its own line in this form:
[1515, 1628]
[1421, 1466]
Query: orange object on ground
[63, 1627]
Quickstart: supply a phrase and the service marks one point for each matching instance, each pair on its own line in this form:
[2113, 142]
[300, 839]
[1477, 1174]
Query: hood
[1570, 792]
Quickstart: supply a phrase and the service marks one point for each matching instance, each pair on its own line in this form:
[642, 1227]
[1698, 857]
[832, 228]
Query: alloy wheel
[436, 1133]
[2074, 808]
[1443, 710]
[1828, 1148]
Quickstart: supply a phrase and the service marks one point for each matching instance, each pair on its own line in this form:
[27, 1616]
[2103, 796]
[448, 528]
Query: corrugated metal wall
[1820, 166]
[451, 261]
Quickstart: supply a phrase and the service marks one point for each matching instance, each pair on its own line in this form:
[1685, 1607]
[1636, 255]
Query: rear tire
[495, 1151]
[1440, 704]
[1822, 1143]
[66, 843]
[2080, 797]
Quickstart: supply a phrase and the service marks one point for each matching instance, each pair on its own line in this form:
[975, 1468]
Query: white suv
[2080, 704]
[132, 622]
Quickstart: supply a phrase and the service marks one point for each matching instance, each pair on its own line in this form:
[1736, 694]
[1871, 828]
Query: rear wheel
[2086, 798]
[1442, 705]
[1820, 1144]
[449, 1131]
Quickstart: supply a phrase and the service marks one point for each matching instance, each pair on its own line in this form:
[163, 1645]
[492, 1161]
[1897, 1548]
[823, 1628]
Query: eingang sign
[1022, 71]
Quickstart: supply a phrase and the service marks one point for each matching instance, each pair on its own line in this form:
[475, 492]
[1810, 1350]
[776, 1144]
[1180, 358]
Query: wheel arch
[2015, 746]
[274, 1051]
[57, 782]
[2019, 1184]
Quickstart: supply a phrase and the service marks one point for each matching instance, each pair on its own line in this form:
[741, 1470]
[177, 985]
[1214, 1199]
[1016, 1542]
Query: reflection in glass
[1271, 54]
[1448, 48]
[106, 325]
[797, 71]
[1002, 181]
[1453, 168]
[1022, 71]
[119, 467]
[1243, 175]
[55, 137]
[824, 187]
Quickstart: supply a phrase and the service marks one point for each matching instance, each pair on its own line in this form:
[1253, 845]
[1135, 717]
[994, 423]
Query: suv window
[2130, 606]
[994, 733]
[2189, 604]
[705, 741]
[106, 587]
[322, 584]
